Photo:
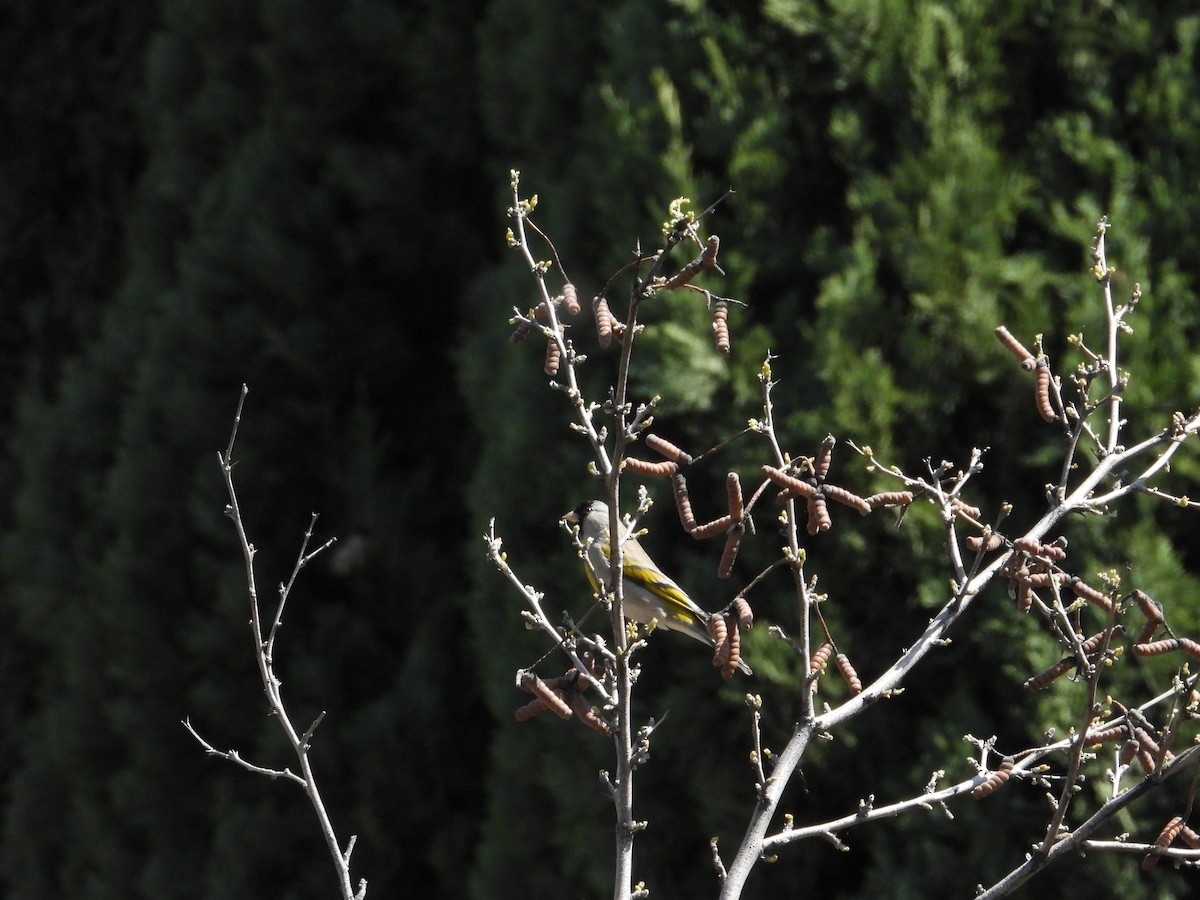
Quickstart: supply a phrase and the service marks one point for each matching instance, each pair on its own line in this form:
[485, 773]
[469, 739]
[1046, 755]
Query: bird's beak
[571, 517]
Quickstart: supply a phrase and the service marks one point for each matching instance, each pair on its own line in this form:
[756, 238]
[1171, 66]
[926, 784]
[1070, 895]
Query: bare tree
[264, 632]
[1093, 620]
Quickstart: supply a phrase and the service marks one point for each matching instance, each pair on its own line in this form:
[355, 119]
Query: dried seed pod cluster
[1034, 565]
[732, 524]
[563, 696]
[1090, 648]
[1040, 366]
[995, 780]
[675, 458]
[725, 630]
[807, 479]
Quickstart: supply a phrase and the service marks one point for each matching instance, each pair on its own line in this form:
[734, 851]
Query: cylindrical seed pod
[1105, 735]
[1023, 356]
[521, 331]
[604, 320]
[791, 482]
[743, 613]
[735, 652]
[1190, 647]
[1147, 633]
[995, 780]
[718, 630]
[586, 713]
[529, 710]
[819, 661]
[534, 685]
[570, 299]
[846, 498]
[729, 554]
[961, 506]
[1024, 596]
[683, 504]
[553, 356]
[1043, 679]
[720, 325]
[666, 448]
[890, 498]
[1041, 393]
[1165, 839]
[818, 516]
[848, 673]
[975, 542]
[713, 528]
[733, 491]
[824, 457]
[664, 469]
[1091, 595]
[1157, 648]
[1149, 606]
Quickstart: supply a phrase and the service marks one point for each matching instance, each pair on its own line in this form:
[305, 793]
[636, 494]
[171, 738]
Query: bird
[648, 593]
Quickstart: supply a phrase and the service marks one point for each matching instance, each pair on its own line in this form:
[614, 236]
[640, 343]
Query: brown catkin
[521, 332]
[729, 554]
[995, 780]
[529, 710]
[791, 482]
[720, 325]
[1105, 735]
[1016, 348]
[1024, 598]
[1091, 595]
[545, 693]
[890, 498]
[743, 613]
[1157, 648]
[718, 630]
[824, 457]
[1190, 647]
[570, 299]
[846, 498]
[975, 542]
[735, 652]
[713, 528]
[1149, 607]
[1043, 679]
[663, 469]
[1041, 393]
[553, 356]
[1165, 839]
[604, 320]
[965, 508]
[733, 490]
[665, 448]
[683, 504]
[848, 673]
[819, 661]
[818, 516]
[586, 713]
